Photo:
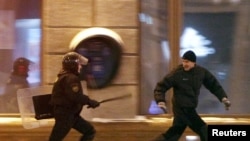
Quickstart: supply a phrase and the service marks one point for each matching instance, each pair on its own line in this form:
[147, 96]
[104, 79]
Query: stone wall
[63, 19]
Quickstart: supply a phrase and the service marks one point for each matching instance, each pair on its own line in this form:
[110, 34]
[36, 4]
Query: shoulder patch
[75, 88]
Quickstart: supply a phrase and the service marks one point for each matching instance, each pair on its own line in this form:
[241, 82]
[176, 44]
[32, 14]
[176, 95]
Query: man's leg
[174, 132]
[203, 133]
[197, 124]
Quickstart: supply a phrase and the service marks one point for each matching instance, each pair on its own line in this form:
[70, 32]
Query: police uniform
[17, 80]
[68, 100]
[14, 83]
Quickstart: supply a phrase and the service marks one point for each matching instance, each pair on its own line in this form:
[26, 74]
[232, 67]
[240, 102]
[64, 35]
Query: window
[20, 37]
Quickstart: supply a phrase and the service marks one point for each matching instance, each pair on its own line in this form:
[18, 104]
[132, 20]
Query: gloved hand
[163, 106]
[93, 104]
[226, 102]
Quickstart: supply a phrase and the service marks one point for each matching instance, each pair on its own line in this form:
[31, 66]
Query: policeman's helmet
[21, 66]
[71, 61]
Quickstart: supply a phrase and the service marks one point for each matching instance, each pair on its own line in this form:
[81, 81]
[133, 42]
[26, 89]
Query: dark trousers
[185, 117]
[63, 124]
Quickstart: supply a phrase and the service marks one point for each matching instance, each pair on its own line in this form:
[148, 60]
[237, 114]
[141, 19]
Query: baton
[115, 98]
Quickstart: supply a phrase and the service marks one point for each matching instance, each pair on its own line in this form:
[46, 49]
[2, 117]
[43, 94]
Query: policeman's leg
[85, 128]
[60, 130]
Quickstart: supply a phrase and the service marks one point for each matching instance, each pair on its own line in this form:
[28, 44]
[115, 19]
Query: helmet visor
[82, 60]
[75, 57]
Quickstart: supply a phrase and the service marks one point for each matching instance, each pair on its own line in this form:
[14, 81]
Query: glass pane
[155, 52]
[19, 49]
[218, 32]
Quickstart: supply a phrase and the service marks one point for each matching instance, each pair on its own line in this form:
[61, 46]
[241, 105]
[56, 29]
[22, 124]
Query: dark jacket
[67, 94]
[186, 86]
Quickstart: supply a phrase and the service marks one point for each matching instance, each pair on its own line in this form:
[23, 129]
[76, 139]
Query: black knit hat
[189, 55]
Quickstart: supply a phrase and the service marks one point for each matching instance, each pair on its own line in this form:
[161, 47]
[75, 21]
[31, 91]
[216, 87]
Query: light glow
[192, 40]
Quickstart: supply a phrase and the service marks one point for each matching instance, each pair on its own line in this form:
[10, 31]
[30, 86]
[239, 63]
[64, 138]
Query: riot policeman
[68, 100]
[17, 80]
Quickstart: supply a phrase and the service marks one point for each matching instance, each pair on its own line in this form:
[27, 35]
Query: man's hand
[226, 102]
[163, 106]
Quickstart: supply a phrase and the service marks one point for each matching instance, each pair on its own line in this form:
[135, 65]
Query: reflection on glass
[213, 49]
[155, 52]
[211, 39]
[213, 32]
[19, 50]
[29, 45]
[217, 31]
[192, 40]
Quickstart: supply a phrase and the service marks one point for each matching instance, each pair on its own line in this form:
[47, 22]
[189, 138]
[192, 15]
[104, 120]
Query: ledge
[140, 128]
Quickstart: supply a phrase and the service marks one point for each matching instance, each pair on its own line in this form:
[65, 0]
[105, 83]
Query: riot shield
[33, 106]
